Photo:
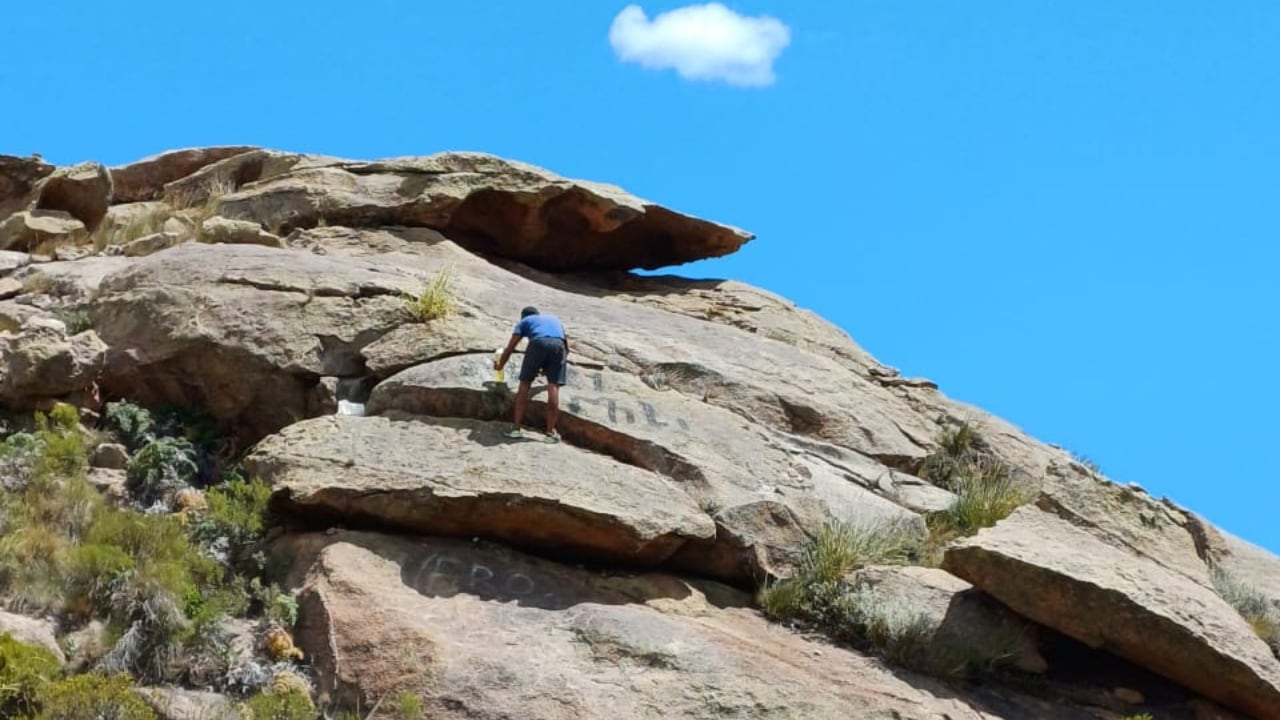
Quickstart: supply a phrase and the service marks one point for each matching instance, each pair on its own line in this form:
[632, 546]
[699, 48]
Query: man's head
[530, 310]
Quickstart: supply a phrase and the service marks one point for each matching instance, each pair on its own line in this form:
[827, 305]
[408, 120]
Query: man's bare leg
[522, 401]
[553, 407]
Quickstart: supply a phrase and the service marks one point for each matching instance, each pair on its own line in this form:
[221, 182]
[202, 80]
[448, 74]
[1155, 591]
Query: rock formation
[712, 434]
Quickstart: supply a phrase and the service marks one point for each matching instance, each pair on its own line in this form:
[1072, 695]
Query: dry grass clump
[436, 299]
[985, 488]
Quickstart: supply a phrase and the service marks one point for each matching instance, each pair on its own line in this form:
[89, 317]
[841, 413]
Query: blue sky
[1063, 212]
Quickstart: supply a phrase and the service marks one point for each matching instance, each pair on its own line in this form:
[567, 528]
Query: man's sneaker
[515, 433]
[553, 436]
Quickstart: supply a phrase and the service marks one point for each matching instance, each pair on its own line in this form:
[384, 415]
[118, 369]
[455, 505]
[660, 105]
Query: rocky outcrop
[83, 191]
[244, 331]
[19, 177]
[40, 231]
[767, 498]
[1067, 578]
[476, 630]
[710, 430]
[146, 178]
[549, 497]
[42, 361]
[492, 206]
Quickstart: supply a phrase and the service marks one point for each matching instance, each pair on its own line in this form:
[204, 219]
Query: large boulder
[40, 231]
[491, 205]
[475, 482]
[145, 179]
[19, 177]
[1066, 577]
[83, 191]
[244, 331]
[767, 497]
[41, 362]
[479, 631]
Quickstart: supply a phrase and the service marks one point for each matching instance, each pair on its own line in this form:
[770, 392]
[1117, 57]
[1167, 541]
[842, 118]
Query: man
[548, 351]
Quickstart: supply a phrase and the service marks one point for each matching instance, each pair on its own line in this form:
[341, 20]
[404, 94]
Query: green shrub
[280, 703]
[436, 299]
[162, 466]
[234, 521]
[62, 447]
[131, 424]
[92, 696]
[23, 670]
[77, 320]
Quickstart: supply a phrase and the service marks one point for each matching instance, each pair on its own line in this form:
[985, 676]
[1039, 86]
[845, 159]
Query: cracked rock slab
[476, 482]
[1067, 578]
[491, 205]
[480, 631]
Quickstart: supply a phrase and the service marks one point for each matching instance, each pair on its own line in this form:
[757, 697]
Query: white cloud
[702, 42]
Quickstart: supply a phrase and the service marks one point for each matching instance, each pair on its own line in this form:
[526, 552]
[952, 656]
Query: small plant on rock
[811, 596]
[436, 299]
[408, 706]
[985, 488]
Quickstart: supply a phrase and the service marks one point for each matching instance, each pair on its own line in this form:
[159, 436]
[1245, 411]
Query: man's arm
[506, 353]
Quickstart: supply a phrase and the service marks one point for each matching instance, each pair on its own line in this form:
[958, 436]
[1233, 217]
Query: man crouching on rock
[548, 352]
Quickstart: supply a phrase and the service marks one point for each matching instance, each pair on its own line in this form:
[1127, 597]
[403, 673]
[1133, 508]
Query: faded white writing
[445, 575]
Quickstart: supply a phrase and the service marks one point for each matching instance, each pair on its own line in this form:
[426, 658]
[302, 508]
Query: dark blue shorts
[547, 355]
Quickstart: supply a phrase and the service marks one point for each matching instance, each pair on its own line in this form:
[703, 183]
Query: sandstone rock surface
[41, 361]
[960, 617]
[1066, 578]
[39, 230]
[31, 631]
[767, 499]
[145, 179]
[476, 482]
[491, 205]
[83, 191]
[237, 232]
[19, 177]
[477, 630]
[710, 430]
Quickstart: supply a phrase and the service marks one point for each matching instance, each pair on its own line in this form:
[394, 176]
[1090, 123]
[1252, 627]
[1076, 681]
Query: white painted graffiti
[444, 575]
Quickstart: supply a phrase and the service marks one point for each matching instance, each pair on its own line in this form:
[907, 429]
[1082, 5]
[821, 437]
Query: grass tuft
[436, 299]
[985, 488]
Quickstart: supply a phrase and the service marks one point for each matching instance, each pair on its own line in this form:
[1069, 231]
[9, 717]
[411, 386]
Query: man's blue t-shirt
[539, 326]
